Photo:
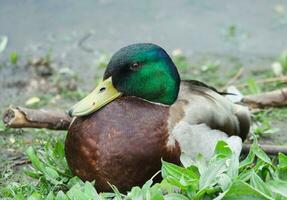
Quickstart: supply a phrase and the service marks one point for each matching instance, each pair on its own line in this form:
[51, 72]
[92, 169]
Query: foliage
[222, 177]
[283, 60]
[14, 58]
[3, 43]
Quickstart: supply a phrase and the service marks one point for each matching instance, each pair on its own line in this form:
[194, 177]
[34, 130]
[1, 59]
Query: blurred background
[45, 41]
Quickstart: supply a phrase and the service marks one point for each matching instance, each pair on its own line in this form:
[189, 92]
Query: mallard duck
[141, 112]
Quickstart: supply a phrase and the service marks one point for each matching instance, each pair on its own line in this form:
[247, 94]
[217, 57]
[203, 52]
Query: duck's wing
[204, 104]
[201, 84]
[202, 116]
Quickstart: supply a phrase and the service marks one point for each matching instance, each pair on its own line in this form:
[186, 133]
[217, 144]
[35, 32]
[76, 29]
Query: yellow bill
[104, 93]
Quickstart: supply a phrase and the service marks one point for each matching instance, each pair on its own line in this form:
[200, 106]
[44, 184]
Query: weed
[222, 177]
[14, 58]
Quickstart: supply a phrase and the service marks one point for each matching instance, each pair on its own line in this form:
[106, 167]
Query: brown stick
[31, 118]
[269, 149]
[233, 79]
[267, 99]
[56, 120]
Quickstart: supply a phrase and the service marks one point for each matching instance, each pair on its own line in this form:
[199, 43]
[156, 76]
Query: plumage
[111, 145]
[132, 120]
[205, 117]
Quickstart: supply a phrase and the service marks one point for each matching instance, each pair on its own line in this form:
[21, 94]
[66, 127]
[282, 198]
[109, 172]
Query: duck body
[125, 152]
[141, 113]
[123, 143]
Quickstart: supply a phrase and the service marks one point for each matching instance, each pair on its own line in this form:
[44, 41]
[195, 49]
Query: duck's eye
[135, 66]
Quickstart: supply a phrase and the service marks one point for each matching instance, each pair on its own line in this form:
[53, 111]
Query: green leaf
[59, 150]
[14, 58]
[118, 195]
[222, 149]
[33, 174]
[50, 196]
[175, 196]
[135, 193]
[201, 163]
[76, 193]
[51, 173]
[61, 196]
[245, 175]
[243, 191]
[142, 193]
[3, 43]
[35, 196]
[258, 184]
[248, 160]
[278, 186]
[90, 190]
[252, 86]
[73, 181]
[209, 176]
[283, 59]
[224, 182]
[233, 165]
[282, 160]
[34, 159]
[156, 192]
[169, 169]
[260, 154]
[282, 166]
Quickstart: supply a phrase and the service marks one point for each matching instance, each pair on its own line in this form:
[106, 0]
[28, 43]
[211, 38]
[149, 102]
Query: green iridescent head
[142, 70]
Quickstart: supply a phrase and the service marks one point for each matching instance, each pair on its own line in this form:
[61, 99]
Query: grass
[225, 176]
[14, 57]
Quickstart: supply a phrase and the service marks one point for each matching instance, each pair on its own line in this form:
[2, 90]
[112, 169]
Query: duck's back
[201, 116]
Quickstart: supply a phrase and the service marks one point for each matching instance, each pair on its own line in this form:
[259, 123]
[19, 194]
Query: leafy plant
[223, 177]
[180, 60]
[3, 43]
[14, 58]
[283, 60]
[103, 60]
[253, 87]
[263, 128]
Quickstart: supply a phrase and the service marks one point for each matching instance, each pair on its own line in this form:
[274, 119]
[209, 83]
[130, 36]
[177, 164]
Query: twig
[58, 120]
[282, 79]
[23, 161]
[233, 79]
[268, 99]
[270, 149]
[82, 41]
[32, 118]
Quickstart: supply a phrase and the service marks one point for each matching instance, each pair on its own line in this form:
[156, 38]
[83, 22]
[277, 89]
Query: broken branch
[20, 117]
[267, 99]
[270, 149]
[233, 79]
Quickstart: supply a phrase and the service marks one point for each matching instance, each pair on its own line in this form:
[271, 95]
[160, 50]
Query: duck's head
[141, 70]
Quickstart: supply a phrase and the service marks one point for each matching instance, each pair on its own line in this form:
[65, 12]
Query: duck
[141, 113]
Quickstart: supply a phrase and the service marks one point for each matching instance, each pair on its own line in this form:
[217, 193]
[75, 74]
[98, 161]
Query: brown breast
[122, 144]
